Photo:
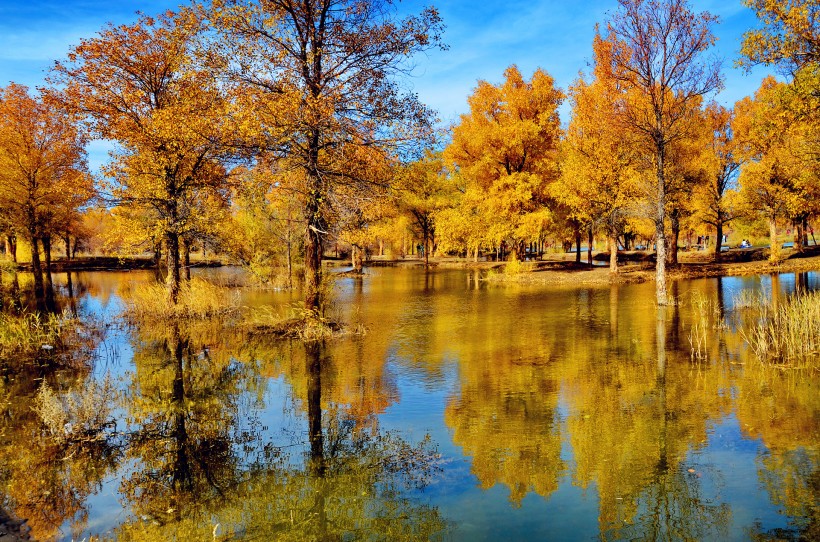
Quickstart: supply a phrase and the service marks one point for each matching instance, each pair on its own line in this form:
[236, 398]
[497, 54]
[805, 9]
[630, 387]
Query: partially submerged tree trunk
[357, 258]
[661, 295]
[36, 267]
[172, 265]
[48, 283]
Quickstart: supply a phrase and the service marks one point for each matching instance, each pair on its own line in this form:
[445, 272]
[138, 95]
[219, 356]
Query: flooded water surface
[461, 410]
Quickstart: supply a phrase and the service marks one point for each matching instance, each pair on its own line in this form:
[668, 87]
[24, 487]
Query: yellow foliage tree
[44, 179]
[139, 85]
[599, 171]
[773, 181]
[317, 84]
[657, 48]
[506, 149]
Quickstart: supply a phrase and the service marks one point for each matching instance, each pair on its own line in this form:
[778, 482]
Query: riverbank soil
[635, 266]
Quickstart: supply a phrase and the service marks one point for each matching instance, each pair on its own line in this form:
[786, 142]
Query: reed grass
[788, 334]
[299, 323]
[30, 331]
[706, 319]
[198, 299]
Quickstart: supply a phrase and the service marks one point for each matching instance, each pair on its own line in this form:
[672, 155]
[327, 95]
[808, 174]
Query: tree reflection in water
[46, 477]
[354, 481]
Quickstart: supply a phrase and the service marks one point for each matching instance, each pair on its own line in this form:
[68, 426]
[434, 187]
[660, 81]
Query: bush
[81, 414]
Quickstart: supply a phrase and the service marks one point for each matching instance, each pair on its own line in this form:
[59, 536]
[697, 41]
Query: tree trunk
[719, 235]
[675, 239]
[313, 250]
[172, 266]
[660, 230]
[590, 240]
[798, 235]
[805, 223]
[356, 258]
[67, 240]
[37, 269]
[774, 244]
[577, 244]
[426, 248]
[613, 254]
[48, 283]
[186, 255]
[11, 247]
[290, 260]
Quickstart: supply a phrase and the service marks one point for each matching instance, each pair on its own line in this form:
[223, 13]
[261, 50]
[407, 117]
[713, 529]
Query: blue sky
[484, 38]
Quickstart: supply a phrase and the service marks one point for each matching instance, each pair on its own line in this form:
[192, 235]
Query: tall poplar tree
[658, 49]
[319, 82]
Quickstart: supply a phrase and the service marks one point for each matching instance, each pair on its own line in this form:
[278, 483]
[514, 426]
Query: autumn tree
[599, 170]
[44, 179]
[773, 179]
[686, 173]
[506, 149]
[657, 54]
[789, 38]
[715, 197]
[423, 189]
[319, 81]
[139, 85]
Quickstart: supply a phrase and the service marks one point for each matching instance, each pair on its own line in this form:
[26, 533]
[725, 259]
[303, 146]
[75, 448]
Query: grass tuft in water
[198, 299]
[706, 319]
[788, 334]
[30, 332]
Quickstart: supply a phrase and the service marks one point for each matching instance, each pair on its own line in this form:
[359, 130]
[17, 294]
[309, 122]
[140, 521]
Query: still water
[466, 411]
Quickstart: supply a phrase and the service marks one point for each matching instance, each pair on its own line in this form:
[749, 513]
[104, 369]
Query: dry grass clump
[706, 320]
[788, 334]
[81, 414]
[301, 324]
[198, 299]
[29, 332]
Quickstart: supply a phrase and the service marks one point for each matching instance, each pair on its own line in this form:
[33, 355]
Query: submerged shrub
[514, 267]
[80, 414]
[59, 337]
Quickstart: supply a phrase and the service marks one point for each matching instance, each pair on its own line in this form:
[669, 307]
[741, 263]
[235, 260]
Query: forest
[273, 135]
[293, 304]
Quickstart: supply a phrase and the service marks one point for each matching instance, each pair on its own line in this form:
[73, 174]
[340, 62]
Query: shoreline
[633, 267]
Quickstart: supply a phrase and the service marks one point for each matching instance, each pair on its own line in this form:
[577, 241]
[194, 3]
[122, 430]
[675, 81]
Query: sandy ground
[635, 266]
